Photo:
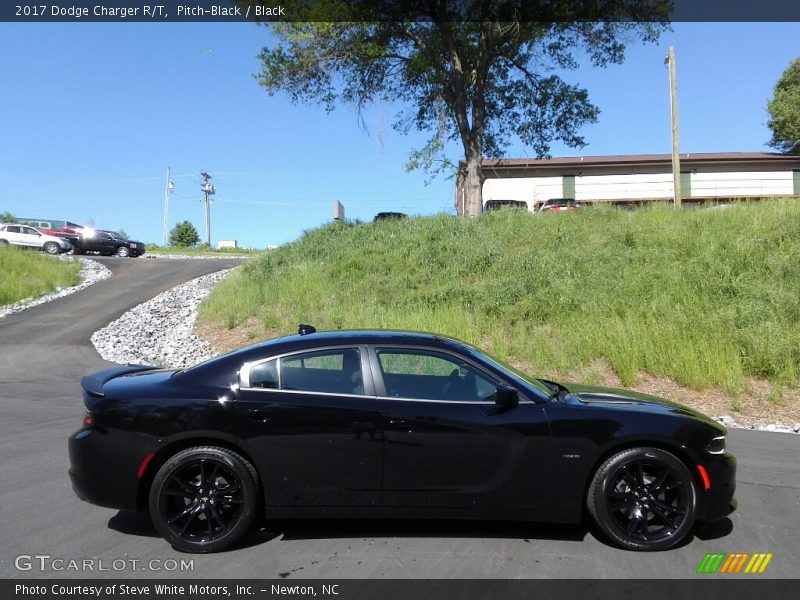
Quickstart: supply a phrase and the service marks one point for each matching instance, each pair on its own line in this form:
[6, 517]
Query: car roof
[318, 339]
[358, 336]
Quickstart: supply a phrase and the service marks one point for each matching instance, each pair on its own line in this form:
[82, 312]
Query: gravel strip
[730, 422]
[91, 272]
[159, 332]
[195, 256]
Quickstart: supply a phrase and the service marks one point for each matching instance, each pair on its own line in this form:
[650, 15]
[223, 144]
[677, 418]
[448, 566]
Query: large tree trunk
[473, 181]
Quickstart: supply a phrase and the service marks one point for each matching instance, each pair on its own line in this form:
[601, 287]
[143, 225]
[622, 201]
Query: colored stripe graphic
[711, 562]
[734, 562]
[758, 563]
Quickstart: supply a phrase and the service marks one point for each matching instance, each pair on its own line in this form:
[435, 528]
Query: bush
[183, 235]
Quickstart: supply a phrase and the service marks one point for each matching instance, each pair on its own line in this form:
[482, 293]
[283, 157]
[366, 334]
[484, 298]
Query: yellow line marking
[765, 563]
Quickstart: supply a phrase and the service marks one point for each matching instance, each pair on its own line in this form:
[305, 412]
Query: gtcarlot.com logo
[735, 562]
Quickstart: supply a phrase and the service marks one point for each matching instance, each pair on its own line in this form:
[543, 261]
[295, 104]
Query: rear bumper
[100, 473]
[718, 502]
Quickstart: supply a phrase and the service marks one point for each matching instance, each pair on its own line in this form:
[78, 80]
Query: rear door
[309, 420]
[447, 443]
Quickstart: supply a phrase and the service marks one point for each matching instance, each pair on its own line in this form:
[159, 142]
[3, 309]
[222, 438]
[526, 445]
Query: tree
[7, 217]
[121, 233]
[478, 72]
[183, 235]
[784, 111]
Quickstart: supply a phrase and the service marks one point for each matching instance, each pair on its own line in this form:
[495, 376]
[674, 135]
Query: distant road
[46, 349]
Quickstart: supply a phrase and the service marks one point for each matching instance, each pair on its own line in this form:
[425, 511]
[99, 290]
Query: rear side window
[335, 371]
[265, 375]
[13, 229]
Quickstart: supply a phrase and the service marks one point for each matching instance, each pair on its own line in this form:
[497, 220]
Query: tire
[123, 251]
[192, 510]
[643, 499]
[3, 242]
[52, 248]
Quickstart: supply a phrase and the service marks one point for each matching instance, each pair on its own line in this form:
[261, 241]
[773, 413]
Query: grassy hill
[703, 297]
[29, 274]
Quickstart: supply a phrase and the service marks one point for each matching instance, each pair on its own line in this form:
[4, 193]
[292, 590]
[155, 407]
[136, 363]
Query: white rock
[159, 331]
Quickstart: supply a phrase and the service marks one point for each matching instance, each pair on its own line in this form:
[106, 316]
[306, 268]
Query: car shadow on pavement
[713, 530]
[421, 528]
[133, 523]
[139, 524]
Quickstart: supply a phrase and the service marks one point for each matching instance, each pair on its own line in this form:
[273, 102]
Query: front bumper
[718, 502]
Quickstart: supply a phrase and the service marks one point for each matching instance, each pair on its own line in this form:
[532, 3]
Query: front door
[448, 444]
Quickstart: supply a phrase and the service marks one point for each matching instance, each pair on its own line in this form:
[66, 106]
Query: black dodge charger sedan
[390, 424]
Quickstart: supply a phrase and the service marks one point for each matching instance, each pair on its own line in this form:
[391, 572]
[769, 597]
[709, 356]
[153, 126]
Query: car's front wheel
[123, 251]
[204, 499]
[643, 499]
[52, 248]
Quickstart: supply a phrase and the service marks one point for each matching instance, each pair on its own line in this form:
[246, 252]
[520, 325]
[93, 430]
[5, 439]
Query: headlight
[716, 445]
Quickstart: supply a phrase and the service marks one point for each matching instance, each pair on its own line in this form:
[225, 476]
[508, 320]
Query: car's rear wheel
[52, 248]
[123, 251]
[3, 242]
[204, 499]
[643, 499]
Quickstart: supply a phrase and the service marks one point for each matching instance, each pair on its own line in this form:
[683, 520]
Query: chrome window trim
[367, 397]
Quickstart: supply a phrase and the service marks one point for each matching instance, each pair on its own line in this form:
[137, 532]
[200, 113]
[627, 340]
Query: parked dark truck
[103, 242]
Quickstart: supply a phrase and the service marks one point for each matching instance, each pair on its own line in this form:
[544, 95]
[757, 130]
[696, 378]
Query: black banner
[358, 589]
[121, 11]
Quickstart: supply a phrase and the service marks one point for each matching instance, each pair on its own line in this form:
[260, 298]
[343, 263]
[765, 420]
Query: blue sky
[91, 116]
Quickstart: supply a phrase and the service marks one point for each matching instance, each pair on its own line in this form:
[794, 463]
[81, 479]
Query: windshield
[510, 372]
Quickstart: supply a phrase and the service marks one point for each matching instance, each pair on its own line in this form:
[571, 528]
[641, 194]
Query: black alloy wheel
[643, 499]
[204, 499]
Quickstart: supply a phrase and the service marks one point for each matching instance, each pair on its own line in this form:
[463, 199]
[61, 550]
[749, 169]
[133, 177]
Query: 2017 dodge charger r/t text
[390, 424]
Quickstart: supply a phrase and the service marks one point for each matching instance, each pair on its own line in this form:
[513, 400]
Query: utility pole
[673, 102]
[167, 192]
[209, 190]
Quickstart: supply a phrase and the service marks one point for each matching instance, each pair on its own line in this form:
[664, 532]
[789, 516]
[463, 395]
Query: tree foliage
[183, 235]
[121, 233]
[478, 72]
[784, 111]
[7, 217]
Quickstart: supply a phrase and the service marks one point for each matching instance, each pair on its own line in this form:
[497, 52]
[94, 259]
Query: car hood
[615, 398]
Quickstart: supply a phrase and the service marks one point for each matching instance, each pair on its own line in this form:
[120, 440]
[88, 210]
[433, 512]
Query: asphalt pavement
[46, 349]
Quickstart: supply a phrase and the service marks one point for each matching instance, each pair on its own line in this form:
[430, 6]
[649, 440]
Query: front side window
[429, 375]
[30, 231]
[335, 371]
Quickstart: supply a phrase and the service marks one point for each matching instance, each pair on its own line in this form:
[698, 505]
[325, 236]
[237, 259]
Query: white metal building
[640, 178]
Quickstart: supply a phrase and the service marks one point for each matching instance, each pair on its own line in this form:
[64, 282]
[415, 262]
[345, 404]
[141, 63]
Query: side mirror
[506, 396]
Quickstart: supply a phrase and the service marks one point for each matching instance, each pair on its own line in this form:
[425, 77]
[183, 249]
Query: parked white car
[28, 237]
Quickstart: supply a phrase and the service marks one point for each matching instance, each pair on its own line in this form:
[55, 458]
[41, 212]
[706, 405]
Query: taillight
[88, 419]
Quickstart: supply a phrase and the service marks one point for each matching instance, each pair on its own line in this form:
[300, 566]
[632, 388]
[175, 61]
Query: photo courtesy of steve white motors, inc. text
[170, 589]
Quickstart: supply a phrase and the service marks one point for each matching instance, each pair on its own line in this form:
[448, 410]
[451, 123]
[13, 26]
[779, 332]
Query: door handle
[260, 416]
[400, 425]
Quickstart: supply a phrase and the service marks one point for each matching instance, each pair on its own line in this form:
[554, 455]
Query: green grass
[29, 274]
[200, 250]
[704, 297]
